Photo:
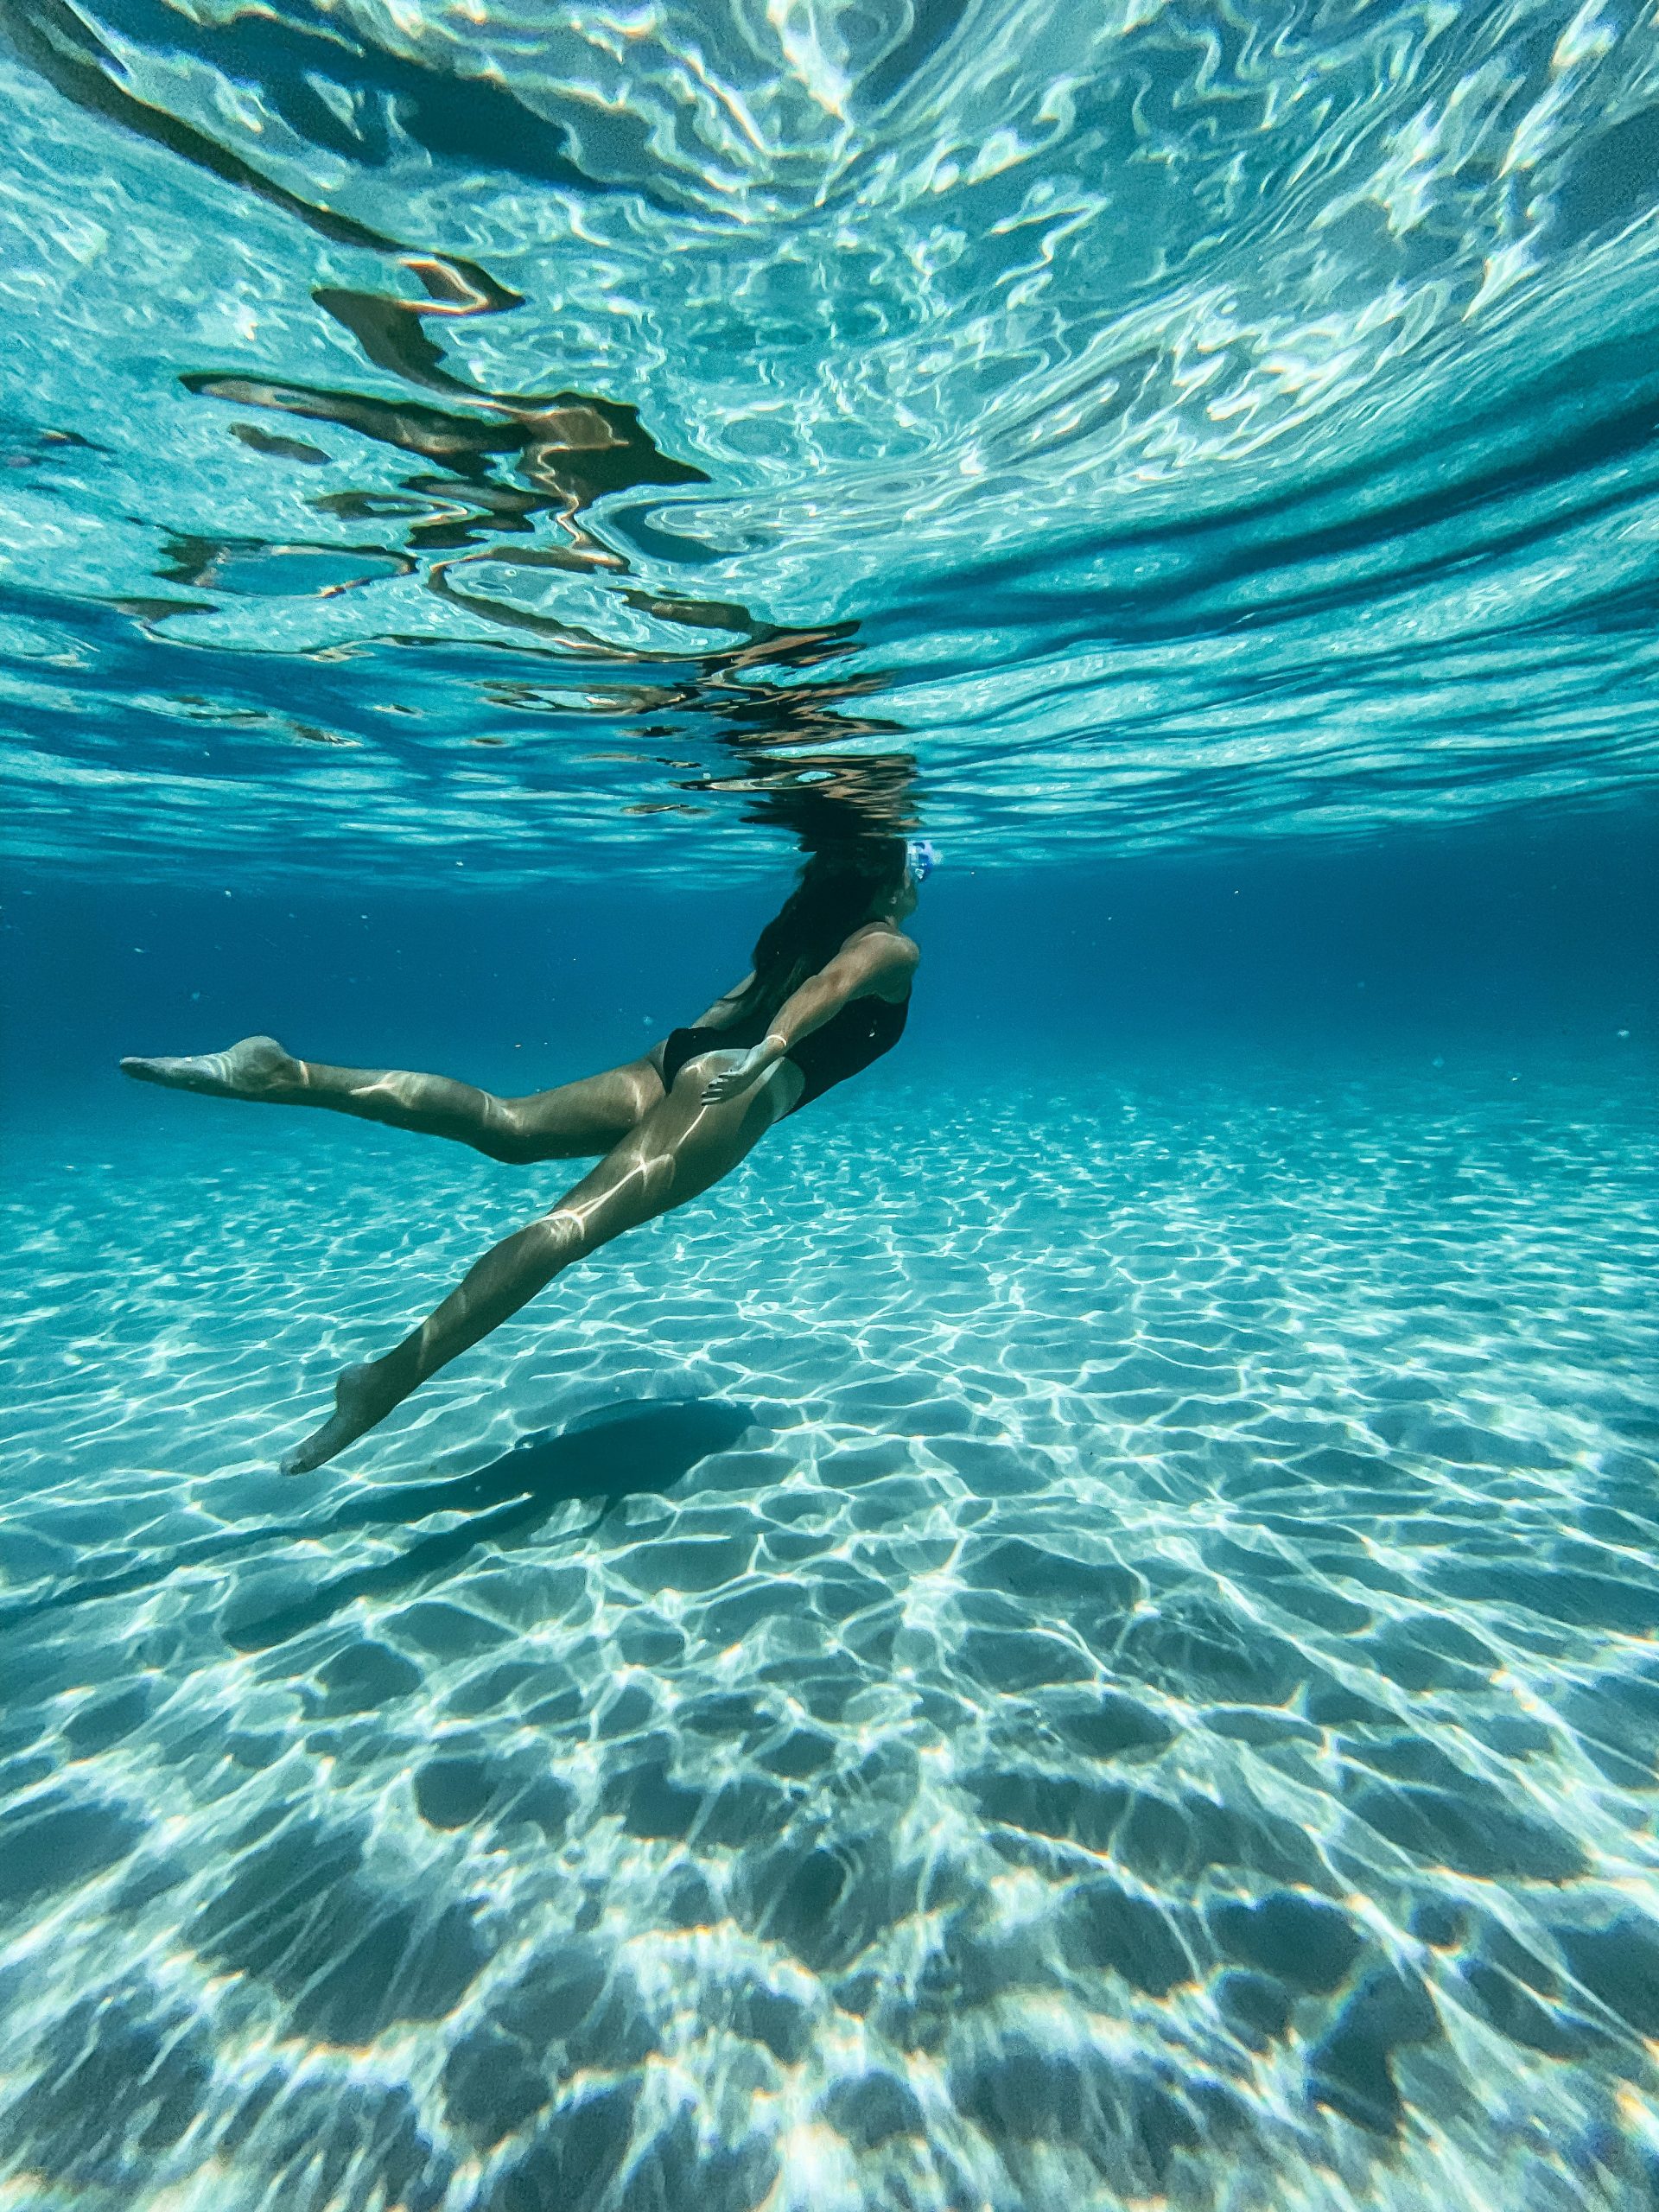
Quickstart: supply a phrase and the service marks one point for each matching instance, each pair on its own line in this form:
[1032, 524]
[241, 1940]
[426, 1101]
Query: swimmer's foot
[256, 1068]
[362, 1398]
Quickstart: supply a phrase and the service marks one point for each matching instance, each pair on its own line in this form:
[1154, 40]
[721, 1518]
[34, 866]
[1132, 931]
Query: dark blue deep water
[1081, 1630]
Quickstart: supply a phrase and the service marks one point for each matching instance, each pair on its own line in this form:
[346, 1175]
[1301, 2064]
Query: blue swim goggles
[922, 857]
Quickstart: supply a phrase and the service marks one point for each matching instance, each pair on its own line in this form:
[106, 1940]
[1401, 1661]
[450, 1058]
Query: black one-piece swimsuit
[848, 1042]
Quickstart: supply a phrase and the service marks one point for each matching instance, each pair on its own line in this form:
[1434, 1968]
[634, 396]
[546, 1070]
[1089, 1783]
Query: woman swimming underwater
[828, 994]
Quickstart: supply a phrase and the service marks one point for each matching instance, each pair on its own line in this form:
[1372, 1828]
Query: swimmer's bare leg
[565, 1123]
[680, 1149]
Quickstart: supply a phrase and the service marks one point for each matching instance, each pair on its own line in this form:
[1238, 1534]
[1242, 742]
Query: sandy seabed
[1038, 1649]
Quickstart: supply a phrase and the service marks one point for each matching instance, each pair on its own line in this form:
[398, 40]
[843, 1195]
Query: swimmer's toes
[359, 1402]
[314, 1452]
[256, 1068]
[174, 1074]
[322, 1444]
[143, 1071]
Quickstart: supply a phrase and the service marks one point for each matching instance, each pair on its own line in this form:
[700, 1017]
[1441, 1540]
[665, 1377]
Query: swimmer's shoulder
[887, 957]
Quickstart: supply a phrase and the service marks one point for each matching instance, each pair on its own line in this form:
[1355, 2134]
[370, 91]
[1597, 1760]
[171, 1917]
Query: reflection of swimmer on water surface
[567, 451]
[828, 994]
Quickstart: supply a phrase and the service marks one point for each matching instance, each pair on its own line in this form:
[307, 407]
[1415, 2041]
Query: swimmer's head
[845, 883]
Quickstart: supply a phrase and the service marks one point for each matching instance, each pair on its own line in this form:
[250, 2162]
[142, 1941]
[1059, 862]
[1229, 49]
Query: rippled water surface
[1215, 411]
[1083, 1631]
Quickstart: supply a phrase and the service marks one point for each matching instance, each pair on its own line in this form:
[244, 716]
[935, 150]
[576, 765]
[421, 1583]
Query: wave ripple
[1180, 419]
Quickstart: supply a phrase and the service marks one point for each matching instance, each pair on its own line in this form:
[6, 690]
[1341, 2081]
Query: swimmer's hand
[746, 1068]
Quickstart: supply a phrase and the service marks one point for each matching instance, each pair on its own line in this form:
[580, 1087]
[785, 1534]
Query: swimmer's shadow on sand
[623, 1452]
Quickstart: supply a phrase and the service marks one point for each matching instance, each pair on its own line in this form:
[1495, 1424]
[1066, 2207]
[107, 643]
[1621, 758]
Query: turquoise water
[1083, 1630]
[1164, 421]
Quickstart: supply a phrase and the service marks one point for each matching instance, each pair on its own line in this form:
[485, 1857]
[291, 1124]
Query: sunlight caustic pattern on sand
[1102, 1655]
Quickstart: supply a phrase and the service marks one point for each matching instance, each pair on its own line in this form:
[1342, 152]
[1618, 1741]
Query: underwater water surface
[1082, 1631]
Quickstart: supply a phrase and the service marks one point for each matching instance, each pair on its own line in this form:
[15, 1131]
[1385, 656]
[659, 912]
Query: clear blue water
[1081, 1632]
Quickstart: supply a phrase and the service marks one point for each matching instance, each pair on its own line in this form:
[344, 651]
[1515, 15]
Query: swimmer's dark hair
[838, 886]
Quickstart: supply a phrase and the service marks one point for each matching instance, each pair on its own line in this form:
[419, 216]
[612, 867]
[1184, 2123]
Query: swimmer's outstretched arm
[684, 1144]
